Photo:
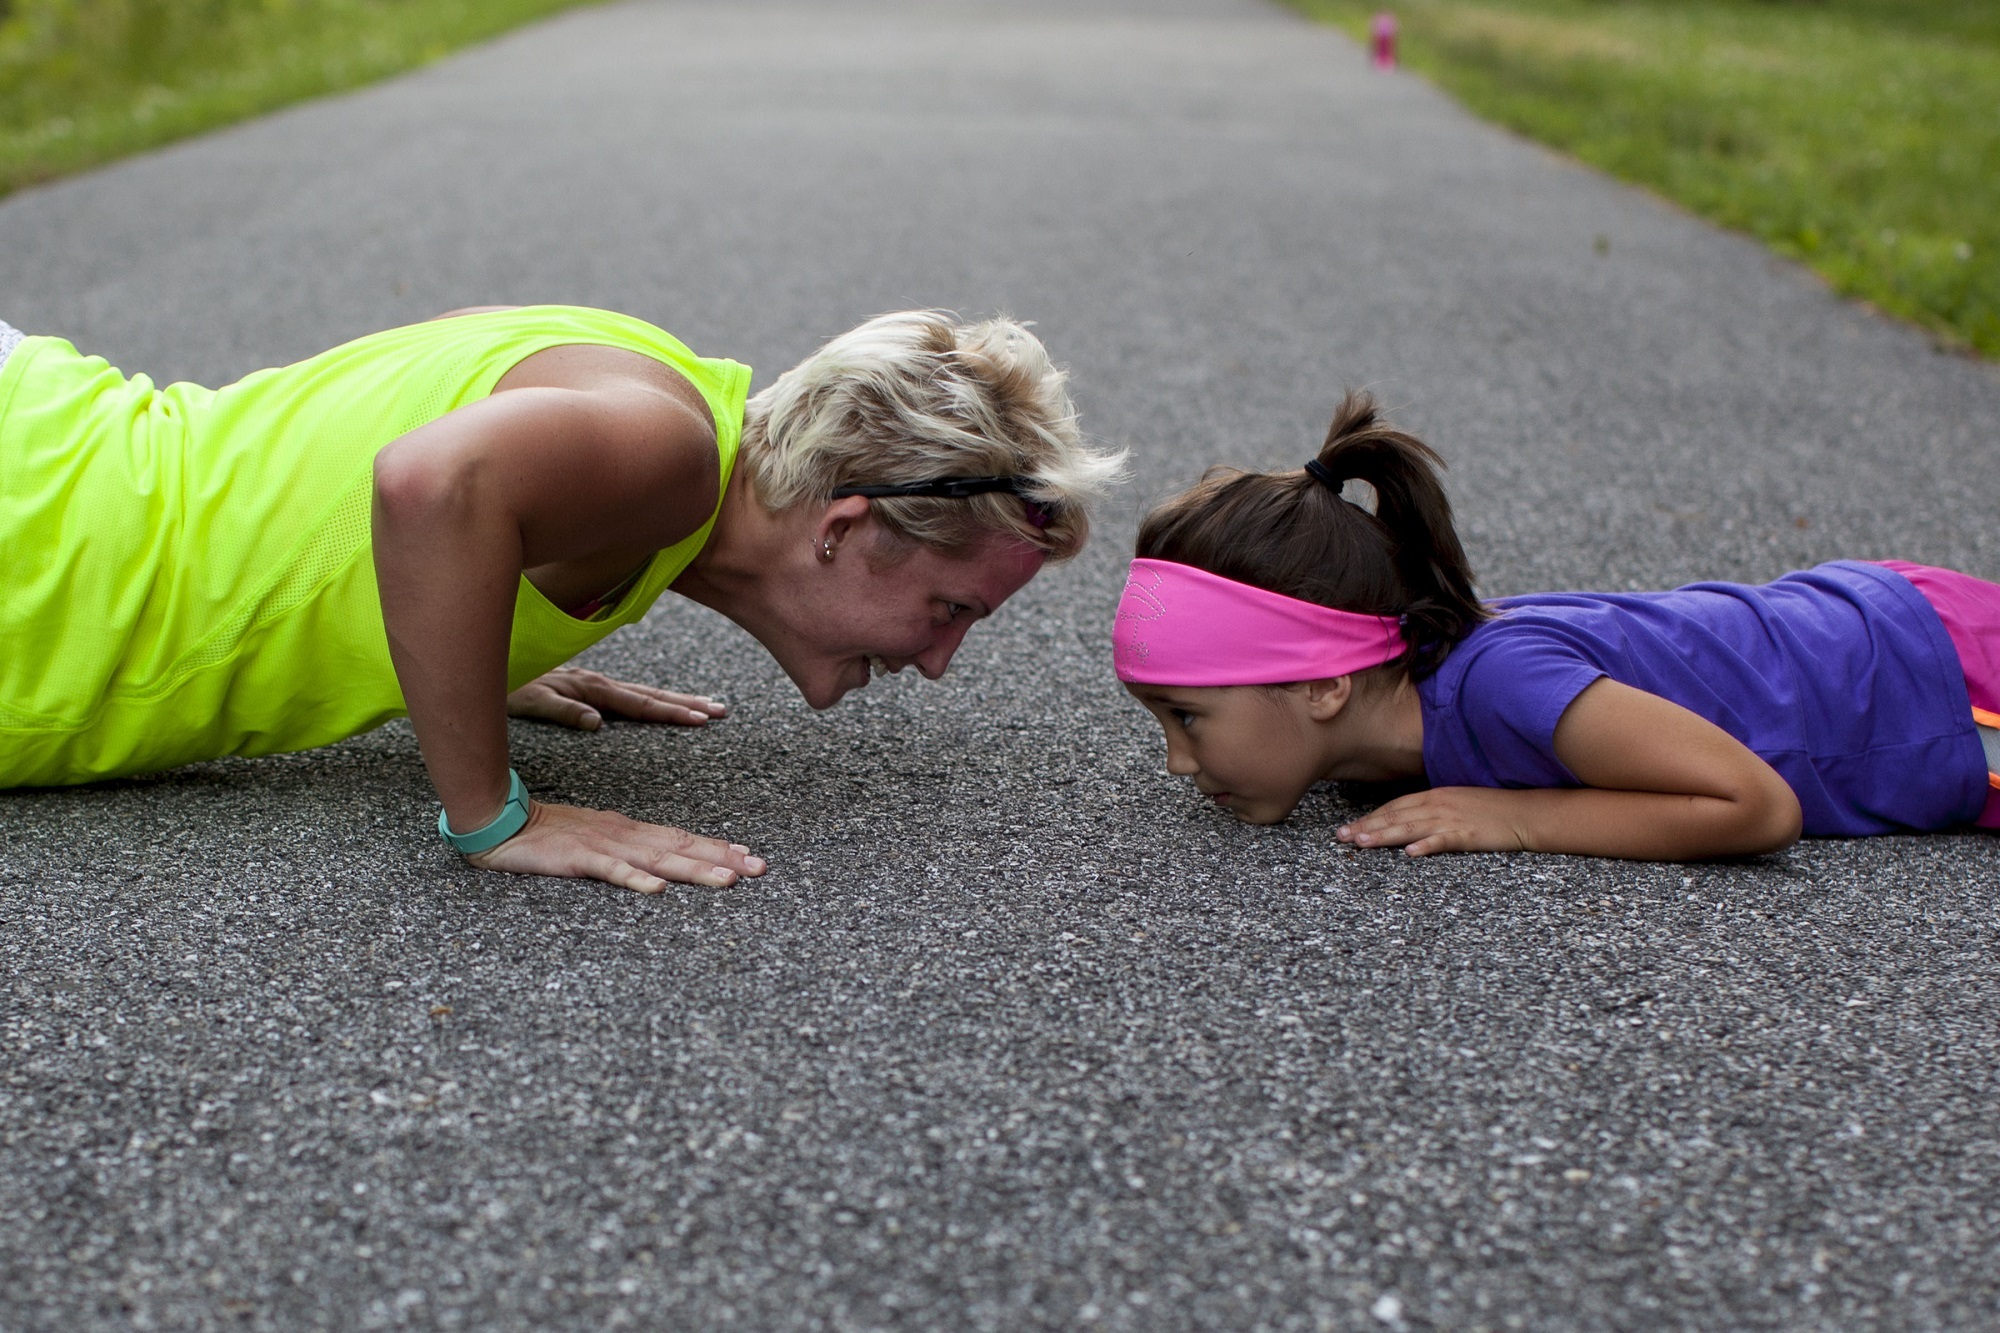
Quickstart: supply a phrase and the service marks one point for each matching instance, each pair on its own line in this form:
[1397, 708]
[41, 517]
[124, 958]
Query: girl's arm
[1662, 785]
[463, 505]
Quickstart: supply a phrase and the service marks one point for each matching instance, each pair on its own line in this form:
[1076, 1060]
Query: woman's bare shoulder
[652, 396]
[639, 381]
[470, 310]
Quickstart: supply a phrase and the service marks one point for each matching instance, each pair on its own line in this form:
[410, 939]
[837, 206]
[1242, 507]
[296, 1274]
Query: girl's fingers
[1435, 826]
[1370, 831]
[1410, 822]
[1374, 831]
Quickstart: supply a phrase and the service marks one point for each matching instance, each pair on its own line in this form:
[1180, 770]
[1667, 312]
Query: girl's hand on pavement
[577, 698]
[575, 843]
[1443, 819]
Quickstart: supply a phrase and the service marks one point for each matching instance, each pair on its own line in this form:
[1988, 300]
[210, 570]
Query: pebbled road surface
[1016, 1034]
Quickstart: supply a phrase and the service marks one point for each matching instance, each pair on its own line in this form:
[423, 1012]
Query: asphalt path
[1016, 1033]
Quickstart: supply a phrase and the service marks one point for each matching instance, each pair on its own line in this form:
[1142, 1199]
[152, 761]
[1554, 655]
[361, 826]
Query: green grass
[1859, 136]
[84, 81]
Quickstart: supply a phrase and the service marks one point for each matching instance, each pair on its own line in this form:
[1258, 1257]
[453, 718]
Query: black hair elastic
[1323, 474]
[956, 488]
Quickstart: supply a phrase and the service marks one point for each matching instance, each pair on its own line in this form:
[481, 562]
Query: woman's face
[880, 605]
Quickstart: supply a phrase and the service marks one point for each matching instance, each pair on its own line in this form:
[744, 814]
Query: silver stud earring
[826, 550]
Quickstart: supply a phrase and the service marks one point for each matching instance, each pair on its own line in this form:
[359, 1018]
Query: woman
[432, 519]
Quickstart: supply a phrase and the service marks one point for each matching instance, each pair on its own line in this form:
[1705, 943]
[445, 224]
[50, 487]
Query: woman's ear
[838, 524]
[1326, 698]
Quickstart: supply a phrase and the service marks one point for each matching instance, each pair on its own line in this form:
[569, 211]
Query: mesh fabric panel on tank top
[332, 543]
[325, 553]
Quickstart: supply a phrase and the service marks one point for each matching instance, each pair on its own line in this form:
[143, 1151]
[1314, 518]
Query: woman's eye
[956, 609]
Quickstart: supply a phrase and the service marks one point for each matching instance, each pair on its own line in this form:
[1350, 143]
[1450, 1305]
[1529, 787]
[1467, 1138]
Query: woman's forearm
[447, 566]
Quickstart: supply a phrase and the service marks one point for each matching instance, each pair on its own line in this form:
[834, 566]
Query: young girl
[1283, 635]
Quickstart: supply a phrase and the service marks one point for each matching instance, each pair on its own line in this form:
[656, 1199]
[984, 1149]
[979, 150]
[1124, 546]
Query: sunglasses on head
[957, 488]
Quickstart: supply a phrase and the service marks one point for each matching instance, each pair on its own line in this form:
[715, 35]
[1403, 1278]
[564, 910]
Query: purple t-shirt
[1841, 677]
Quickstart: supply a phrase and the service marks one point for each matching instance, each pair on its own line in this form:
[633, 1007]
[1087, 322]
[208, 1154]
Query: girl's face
[1253, 750]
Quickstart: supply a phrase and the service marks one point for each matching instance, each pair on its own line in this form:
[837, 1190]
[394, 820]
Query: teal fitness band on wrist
[513, 817]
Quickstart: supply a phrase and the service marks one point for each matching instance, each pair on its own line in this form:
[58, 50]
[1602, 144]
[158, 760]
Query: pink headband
[1178, 625]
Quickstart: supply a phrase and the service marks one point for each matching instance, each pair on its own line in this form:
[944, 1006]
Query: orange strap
[1986, 719]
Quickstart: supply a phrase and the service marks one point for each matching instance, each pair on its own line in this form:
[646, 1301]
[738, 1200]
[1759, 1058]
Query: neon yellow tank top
[189, 572]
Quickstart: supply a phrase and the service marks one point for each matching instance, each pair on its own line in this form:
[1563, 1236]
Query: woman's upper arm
[578, 471]
[1624, 739]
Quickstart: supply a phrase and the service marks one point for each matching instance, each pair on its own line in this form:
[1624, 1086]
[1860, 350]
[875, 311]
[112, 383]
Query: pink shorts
[1970, 609]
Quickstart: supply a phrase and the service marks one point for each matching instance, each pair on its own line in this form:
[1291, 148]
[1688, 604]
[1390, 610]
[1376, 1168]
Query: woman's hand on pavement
[575, 843]
[577, 698]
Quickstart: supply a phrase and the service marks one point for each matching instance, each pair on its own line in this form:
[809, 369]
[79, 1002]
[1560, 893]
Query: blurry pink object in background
[1385, 41]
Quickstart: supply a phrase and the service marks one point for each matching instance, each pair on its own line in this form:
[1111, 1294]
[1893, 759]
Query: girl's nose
[1180, 761]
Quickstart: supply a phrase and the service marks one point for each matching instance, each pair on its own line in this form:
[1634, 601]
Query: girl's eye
[1182, 716]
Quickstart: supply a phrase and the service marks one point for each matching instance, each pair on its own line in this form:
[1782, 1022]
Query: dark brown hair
[1291, 533]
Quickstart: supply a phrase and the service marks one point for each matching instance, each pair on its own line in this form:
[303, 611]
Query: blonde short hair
[915, 396]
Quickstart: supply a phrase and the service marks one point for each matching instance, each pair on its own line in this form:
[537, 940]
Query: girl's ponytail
[1411, 504]
[1292, 533]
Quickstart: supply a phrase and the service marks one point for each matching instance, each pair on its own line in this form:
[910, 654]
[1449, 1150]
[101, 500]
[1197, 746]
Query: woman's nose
[933, 663]
[933, 660]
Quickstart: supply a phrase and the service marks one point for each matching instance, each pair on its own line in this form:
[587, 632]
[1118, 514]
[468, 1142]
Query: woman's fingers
[634, 699]
[589, 694]
[690, 858]
[622, 874]
[647, 704]
[537, 700]
[573, 842]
